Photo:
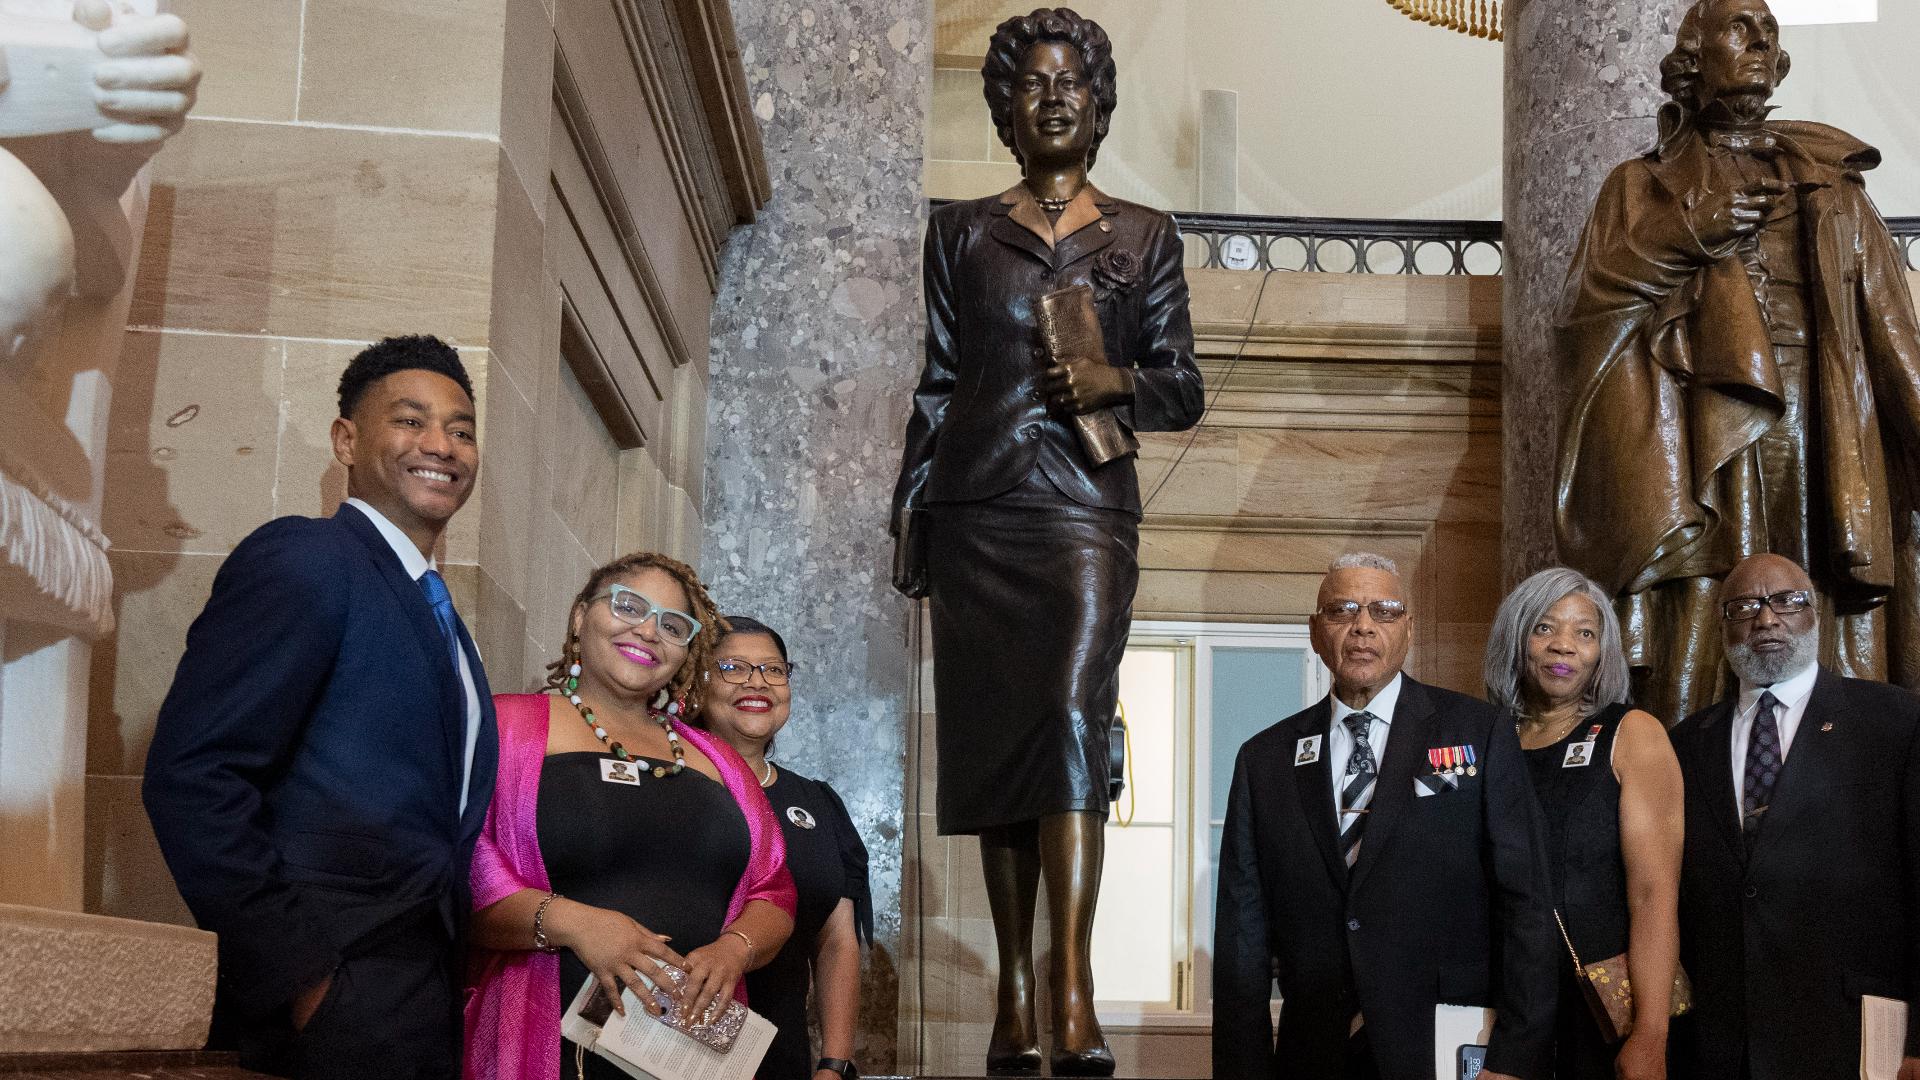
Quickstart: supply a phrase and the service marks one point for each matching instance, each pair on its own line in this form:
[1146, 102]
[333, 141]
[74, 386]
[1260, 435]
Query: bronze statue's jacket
[980, 421]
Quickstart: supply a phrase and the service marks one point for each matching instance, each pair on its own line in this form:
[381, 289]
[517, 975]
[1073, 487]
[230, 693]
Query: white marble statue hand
[123, 75]
[148, 80]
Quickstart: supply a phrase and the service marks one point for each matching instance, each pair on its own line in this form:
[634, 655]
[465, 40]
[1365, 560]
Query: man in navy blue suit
[325, 757]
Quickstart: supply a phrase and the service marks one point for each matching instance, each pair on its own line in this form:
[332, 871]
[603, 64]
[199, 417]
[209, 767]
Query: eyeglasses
[776, 672]
[1790, 602]
[1345, 611]
[634, 609]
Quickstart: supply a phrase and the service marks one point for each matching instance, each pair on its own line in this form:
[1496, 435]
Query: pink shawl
[513, 998]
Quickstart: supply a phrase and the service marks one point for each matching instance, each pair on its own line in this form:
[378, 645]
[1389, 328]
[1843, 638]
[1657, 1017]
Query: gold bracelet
[540, 941]
[752, 949]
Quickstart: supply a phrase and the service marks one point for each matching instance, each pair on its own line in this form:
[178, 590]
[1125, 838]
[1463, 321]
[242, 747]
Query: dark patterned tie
[1357, 791]
[1763, 764]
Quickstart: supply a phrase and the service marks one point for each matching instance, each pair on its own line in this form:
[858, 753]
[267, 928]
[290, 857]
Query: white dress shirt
[1792, 694]
[1340, 740]
[416, 566]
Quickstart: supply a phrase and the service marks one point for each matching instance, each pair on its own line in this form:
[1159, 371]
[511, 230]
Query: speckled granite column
[816, 346]
[1582, 89]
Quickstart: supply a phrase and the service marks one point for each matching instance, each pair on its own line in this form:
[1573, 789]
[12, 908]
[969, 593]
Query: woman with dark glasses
[618, 836]
[749, 695]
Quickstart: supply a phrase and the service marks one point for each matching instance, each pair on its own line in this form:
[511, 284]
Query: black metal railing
[1341, 245]
[1906, 233]
[1377, 245]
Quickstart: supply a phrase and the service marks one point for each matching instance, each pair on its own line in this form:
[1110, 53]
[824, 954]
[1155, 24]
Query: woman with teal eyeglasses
[619, 838]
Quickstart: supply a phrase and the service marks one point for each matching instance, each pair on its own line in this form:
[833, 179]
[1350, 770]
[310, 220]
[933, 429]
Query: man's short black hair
[422, 352]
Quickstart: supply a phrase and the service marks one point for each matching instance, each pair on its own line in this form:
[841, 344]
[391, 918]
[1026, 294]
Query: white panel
[1133, 934]
[1816, 12]
[1149, 683]
[1219, 151]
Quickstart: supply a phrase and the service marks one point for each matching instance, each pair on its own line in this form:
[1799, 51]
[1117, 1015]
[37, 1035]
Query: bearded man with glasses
[1383, 854]
[1800, 885]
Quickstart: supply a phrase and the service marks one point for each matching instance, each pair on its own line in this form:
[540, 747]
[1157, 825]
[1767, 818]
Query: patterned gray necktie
[1357, 791]
[1763, 764]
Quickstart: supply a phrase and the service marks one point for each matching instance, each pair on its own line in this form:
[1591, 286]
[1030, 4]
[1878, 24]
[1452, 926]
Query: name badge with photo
[615, 771]
[1306, 751]
[1579, 756]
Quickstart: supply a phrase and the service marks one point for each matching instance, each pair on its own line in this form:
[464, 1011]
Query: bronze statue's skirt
[1032, 596]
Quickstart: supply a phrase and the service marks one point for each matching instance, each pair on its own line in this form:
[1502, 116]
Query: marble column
[1582, 90]
[816, 346]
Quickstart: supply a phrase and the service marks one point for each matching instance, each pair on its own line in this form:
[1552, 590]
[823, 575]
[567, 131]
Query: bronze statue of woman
[1024, 542]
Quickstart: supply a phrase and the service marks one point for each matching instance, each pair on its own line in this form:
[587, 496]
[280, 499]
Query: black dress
[828, 863]
[667, 851]
[1582, 807]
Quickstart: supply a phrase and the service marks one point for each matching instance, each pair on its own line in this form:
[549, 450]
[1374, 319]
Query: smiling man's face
[411, 450]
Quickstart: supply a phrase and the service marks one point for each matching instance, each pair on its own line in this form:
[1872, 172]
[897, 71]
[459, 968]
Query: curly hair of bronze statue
[686, 684]
[1680, 69]
[1009, 46]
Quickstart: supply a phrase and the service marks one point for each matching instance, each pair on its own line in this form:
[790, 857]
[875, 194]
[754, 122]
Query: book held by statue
[1070, 327]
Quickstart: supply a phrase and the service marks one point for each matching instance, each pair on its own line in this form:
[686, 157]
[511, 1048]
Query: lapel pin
[1828, 726]
[1306, 751]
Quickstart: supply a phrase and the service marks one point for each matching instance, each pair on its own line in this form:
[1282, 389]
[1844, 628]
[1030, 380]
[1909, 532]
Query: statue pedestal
[72, 207]
[71, 983]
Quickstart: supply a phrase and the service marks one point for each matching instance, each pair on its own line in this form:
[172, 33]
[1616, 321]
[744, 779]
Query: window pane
[1133, 954]
[1253, 689]
[1149, 688]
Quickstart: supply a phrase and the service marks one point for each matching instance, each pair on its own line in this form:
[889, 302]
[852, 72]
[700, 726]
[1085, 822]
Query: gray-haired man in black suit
[1383, 851]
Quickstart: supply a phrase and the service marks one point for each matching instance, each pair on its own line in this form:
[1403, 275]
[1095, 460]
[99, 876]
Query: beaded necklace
[664, 719]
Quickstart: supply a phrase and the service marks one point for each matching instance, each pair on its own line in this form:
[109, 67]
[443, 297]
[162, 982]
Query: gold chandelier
[1475, 18]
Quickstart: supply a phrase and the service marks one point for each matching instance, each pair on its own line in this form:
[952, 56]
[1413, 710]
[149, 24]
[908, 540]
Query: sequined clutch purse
[718, 1028]
[1609, 993]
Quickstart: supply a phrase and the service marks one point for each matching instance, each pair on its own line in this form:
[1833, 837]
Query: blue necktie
[442, 603]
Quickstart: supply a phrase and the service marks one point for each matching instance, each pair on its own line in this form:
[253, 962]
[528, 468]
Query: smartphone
[1472, 1060]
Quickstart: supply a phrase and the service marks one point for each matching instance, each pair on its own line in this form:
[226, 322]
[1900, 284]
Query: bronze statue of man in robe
[1744, 369]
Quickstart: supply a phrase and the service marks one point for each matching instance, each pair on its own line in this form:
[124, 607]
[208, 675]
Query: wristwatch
[838, 1065]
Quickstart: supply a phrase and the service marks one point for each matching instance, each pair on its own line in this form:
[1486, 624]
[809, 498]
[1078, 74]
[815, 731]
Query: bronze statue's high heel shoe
[1095, 1062]
[1013, 1061]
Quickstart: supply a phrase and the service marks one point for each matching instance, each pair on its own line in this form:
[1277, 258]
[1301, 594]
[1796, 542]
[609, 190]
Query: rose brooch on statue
[1115, 270]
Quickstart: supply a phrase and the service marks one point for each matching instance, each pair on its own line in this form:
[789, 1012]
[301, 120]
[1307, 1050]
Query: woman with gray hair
[1610, 787]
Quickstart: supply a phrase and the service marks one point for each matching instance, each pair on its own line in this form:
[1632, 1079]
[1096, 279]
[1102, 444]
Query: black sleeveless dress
[1582, 807]
[666, 851]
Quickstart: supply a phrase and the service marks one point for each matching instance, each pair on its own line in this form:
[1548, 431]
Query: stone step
[72, 983]
[125, 1065]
